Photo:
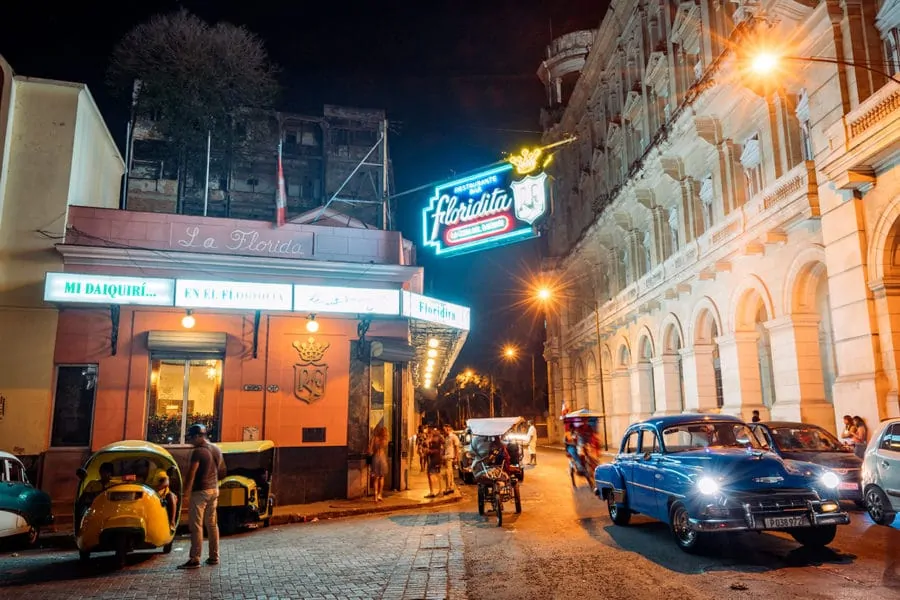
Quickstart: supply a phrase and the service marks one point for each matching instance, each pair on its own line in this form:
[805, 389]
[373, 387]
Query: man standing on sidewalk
[207, 467]
[451, 457]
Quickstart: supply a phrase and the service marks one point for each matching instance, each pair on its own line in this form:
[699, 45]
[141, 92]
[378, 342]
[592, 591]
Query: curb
[288, 518]
[65, 539]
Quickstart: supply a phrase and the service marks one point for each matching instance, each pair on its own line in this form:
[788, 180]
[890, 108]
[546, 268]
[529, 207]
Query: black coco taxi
[813, 444]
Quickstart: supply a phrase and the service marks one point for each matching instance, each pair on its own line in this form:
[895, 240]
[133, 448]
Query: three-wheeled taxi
[497, 478]
[582, 445]
[122, 503]
[245, 493]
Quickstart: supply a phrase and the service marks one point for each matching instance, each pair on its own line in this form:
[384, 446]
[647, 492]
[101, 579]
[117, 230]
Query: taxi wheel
[84, 556]
[517, 496]
[266, 522]
[168, 547]
[815, 537]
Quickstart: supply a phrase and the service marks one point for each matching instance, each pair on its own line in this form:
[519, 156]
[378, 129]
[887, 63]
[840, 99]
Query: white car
[881, 473]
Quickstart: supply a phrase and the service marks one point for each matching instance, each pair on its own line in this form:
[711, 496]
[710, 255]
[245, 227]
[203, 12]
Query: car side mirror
[80, 473]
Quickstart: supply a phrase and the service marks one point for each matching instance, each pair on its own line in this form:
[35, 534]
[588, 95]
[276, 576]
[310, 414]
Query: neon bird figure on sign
[490, 208]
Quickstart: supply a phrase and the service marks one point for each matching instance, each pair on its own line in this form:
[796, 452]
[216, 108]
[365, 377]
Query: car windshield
[708, 434]
[806, 438]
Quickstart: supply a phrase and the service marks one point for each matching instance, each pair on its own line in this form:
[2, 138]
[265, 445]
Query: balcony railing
[793, 197]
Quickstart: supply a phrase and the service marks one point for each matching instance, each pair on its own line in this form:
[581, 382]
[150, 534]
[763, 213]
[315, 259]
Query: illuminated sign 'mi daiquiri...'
[488, 209]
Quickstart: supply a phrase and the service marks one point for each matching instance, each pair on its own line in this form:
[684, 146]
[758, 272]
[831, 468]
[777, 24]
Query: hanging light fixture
[433, 343]
[188, 321]
[312, 325]
[432, 353]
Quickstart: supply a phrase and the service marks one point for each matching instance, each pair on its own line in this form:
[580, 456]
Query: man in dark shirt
[206, 468]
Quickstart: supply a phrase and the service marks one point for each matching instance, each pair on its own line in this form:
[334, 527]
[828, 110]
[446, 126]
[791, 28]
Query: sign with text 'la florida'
[488, 209]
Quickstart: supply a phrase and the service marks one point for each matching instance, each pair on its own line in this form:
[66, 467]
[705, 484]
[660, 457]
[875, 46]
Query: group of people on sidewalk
[439, 452]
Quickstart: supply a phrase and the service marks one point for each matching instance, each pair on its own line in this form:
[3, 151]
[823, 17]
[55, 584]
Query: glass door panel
[183, 392]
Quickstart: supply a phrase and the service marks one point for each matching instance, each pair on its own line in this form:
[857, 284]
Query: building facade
[306, 335]
[726, 239]
[336, 155]
[55, 152]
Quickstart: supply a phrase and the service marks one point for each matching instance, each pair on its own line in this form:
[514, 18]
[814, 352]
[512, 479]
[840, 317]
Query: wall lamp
[188, 321]
[312, 325]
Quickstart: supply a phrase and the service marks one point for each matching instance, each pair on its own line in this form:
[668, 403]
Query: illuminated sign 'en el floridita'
[488, 209]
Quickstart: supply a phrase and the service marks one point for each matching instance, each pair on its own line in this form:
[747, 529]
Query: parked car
[811, 443]
[24, 509]
[881, 473]
[705, 474]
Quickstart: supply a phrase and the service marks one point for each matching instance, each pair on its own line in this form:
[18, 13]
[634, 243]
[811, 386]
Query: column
[667, 384]
[732, 175]
[699, 378]
[641, 391]
[741, 385]
[691, 219]
[620, 406]
[887, 310]
[797, 371]
[862, 387]
[662, 237]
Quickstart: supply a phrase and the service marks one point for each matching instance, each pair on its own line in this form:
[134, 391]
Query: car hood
[831, 460]
[744, 469]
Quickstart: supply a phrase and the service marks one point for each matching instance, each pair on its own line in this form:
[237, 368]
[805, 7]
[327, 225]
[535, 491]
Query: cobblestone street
[403, 556]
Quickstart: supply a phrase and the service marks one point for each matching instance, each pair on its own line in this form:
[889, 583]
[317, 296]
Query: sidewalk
[412, 498]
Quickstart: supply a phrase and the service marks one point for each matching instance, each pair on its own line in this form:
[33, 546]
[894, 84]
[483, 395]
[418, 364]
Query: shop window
[183, 391]
[73, 406]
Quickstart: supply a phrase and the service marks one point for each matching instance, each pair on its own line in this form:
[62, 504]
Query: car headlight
[708, 486]
[830, 480]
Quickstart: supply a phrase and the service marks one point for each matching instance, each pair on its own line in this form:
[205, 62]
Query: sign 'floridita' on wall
[420, 307]
[108, 289]
[488, 209]
[191, 293]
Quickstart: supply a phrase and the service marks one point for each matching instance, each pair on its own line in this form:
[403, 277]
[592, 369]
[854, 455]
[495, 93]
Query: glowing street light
[544, 294]
[510, 351]
[764, 63]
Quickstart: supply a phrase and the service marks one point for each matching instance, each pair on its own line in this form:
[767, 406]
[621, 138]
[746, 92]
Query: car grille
[767, 502]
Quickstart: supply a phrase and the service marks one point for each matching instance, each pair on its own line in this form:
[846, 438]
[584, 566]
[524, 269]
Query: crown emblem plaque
[310, 374]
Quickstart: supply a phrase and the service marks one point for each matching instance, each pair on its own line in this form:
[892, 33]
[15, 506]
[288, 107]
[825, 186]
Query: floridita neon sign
[484, 210]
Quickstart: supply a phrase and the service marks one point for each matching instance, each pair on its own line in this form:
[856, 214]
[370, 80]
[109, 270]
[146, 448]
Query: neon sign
[488, 209]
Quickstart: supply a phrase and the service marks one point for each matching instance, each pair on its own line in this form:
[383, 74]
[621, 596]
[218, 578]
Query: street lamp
[544, 295]
[511, 353]
[767, 62]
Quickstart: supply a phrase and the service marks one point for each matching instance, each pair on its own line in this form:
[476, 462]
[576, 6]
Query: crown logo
[310, 351]
[527, 161]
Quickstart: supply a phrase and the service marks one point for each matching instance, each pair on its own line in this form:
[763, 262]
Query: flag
[281, 194]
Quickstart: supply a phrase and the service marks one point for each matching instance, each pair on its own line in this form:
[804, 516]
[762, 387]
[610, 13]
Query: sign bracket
[114, 311]
[256, 318]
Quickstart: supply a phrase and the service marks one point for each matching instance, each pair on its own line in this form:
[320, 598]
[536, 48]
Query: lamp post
[766, 63]
[511, 353]
[544, 295]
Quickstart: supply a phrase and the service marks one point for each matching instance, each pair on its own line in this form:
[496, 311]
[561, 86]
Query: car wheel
[685, 536]
[815, 537]
[879, 506]
[620, 515]
[30, 537]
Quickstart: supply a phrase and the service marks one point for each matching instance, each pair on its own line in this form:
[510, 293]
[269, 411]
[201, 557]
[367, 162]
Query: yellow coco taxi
[245, 493]
[127, 499]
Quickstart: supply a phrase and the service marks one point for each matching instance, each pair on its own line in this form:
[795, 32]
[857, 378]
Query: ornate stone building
[730, 238]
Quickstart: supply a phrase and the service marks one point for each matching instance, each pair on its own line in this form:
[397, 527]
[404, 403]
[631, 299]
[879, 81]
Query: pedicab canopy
[492, 427]
[582, 414]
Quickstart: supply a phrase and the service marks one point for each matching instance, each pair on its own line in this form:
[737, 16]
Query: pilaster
[699, 378]
[642, 392]
[667, 384]
[741, 385]
[797, 371]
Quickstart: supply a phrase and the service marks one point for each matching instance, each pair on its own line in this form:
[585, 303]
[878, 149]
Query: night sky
[457, 79]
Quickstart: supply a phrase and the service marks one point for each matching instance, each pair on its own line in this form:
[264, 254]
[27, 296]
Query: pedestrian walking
[452, 448]
[435, 451]
[532, 444]
[206, 468]
[378, 452]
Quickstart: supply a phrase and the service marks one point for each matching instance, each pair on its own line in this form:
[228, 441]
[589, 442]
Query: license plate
[785, 522]
[849, 485]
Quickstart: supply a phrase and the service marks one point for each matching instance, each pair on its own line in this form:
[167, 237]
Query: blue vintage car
[702, 474]
[24, 509]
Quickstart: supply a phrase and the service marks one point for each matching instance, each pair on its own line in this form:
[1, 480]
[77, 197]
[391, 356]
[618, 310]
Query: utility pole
[206, 187]
[492, 395]
[385, 191]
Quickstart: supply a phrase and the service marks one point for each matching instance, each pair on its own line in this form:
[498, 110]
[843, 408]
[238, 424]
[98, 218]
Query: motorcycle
[584, 447]
[496, 464]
